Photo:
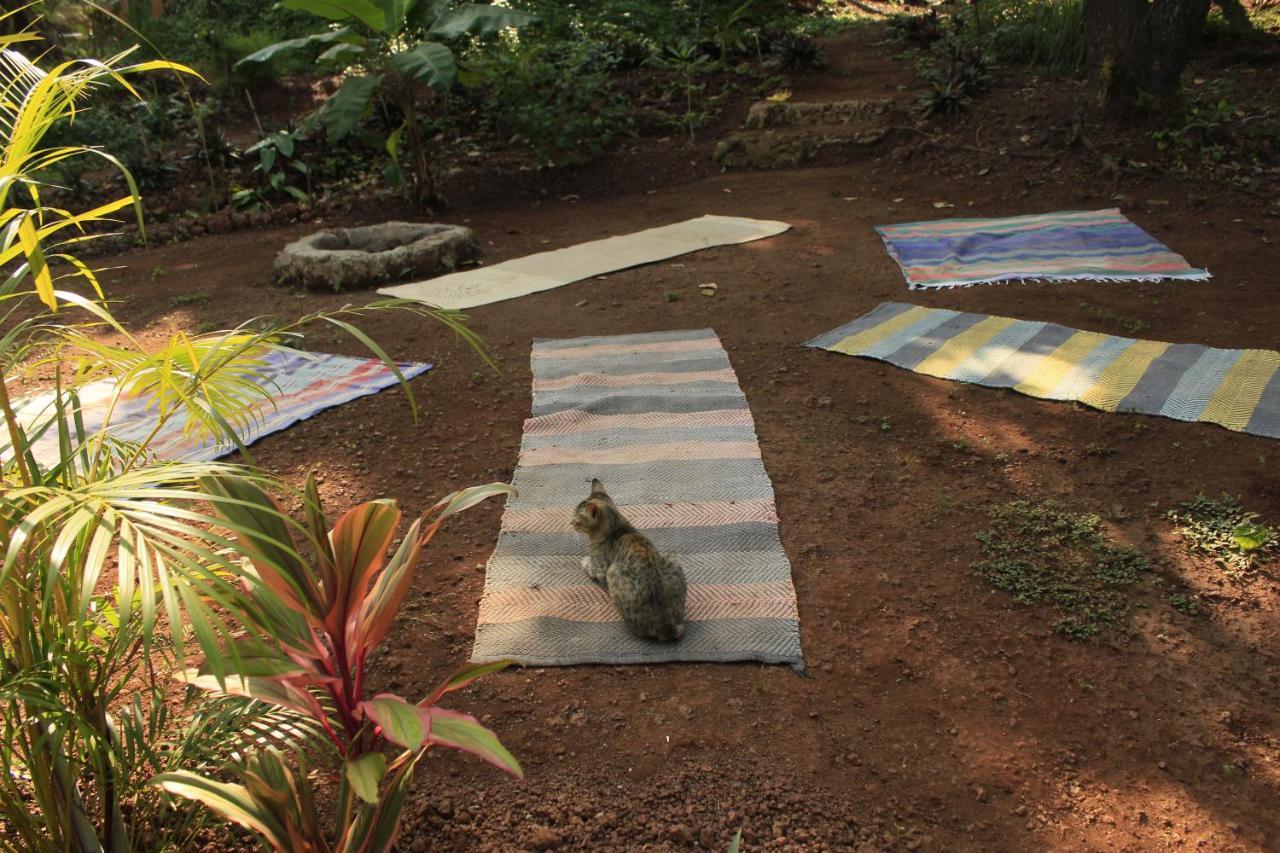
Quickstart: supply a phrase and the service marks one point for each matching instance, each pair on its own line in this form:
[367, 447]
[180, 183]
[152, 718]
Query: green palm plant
[112, 565]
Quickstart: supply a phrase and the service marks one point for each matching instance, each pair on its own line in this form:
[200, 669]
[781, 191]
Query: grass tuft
[1042, 554]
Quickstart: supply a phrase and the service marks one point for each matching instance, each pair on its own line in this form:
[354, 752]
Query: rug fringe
[1196, 275]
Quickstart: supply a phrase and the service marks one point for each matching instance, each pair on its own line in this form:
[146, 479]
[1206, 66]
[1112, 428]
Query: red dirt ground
[938, 714]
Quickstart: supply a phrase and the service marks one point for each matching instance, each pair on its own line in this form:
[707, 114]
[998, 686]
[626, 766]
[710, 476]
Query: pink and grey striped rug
[660, 419]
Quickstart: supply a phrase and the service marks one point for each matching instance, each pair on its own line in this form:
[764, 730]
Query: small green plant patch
[1042, 554]
[1237, 540]
[183, 299]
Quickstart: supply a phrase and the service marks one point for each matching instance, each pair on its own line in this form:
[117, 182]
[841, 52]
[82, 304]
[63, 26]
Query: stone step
[766, 114]
[787, 148]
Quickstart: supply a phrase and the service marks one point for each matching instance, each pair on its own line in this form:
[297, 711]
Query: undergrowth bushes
[560, 100]
[1045, 34]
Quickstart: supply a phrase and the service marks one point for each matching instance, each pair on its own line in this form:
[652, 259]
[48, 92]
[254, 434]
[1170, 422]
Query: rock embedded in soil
[765, 114]
[542, 838]
[359, 258]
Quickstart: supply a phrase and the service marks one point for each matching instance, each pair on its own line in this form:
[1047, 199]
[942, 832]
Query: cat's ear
[593, 511]
[597, 488]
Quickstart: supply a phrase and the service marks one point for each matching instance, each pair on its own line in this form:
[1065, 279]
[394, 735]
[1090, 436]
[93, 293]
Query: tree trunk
[1138, 48]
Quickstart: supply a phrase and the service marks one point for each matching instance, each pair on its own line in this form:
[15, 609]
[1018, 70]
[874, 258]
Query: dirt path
[938, 714]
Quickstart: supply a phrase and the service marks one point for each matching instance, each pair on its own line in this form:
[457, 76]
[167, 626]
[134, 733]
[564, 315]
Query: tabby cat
[647, 588]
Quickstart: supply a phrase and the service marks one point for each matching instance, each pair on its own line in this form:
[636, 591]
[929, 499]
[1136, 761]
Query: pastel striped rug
[1098, 245]
[1235, 388]
[660, 419]
[301, 384]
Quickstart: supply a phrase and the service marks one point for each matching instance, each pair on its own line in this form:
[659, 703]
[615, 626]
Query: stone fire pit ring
[373, 255]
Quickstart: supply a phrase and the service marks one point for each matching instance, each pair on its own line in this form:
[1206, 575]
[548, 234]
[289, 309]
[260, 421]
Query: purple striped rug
[1097, 245]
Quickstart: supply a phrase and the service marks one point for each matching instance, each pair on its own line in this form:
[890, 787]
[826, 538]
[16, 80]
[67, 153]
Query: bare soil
[937, 713]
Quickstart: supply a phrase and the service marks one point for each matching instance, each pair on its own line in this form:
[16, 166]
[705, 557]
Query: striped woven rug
[660, 419]
[301, 384]
[1098, 245]
[1235, 388]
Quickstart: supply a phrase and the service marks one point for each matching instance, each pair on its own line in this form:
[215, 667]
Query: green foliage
[111, 567]
[1040, 553]
[163, 734]
[919, 30]
[1044, 34]
[797, 51]
[732, 28]
[1225, 130]
[213, 35]
[687, 65]
[403, 50]
[147, 135]
[632, 31]
[955, 74]
[560, 100]
[1237, 540]
[279, 164]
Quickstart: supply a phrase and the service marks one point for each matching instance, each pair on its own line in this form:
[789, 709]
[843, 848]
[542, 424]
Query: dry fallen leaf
[941, 204]
[780, 96]
[708, 288]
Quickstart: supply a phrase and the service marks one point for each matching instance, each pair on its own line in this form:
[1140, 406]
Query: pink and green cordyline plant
[313, 625]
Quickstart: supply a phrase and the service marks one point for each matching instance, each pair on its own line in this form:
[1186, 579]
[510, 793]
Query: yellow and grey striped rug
[1235, 388]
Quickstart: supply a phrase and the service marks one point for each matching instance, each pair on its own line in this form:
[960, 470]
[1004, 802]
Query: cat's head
[596, 516]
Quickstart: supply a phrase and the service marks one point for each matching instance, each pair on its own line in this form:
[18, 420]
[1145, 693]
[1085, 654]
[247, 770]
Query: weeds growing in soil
[1237, 540]
[1042, 554]
[1225, 130]
[1045, 34]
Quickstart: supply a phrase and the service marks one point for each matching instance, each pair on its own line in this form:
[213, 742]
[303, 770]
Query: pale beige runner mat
[545, 270]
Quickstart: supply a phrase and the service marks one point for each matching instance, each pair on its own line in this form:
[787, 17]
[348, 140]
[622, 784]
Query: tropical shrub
[402, 50]
[559, 100]
[312, 628]
[634, 30]
[111, 565]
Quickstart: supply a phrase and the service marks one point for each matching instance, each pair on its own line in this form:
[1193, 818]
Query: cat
[647, 588]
